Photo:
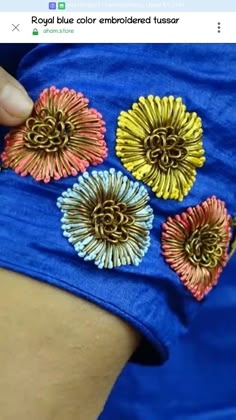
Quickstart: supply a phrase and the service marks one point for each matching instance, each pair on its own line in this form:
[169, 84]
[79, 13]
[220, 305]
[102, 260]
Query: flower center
[203, 246]
[111, 222]
[48, 132]
[164, 148]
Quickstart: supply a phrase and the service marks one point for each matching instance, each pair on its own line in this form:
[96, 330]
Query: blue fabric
[150, 297]
[198, 381]
[10, 55]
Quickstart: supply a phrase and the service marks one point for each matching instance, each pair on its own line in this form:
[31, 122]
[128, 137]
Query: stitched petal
[61, 138]
[107, 219]
[160, 144]
[195, 245]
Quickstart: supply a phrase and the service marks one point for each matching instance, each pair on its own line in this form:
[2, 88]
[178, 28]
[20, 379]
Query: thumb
[15, 104]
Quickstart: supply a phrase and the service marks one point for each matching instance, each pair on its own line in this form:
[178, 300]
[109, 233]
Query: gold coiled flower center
[164, 148]
[47, 132]
[203, 247]
[111, 221]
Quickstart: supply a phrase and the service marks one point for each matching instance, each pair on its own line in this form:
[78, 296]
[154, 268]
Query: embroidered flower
[233, 242]
[160, 143]
[195, 245]
[107, 219]
[61, 138]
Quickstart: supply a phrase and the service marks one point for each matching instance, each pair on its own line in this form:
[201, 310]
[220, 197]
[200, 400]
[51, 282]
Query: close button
[15, 27]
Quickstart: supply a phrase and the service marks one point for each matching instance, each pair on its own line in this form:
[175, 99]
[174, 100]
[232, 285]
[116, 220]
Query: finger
[15, 104]
[10, 79]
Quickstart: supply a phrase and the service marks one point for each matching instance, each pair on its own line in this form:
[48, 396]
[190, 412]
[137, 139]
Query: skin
[15, 104]
[59, 354]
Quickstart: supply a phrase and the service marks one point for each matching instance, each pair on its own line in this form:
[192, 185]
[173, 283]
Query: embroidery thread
[107, 219]
[61, 138]
[195, 245]
[233, 243]
[160, 143]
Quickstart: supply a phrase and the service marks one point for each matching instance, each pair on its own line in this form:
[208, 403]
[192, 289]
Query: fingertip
[15, 105]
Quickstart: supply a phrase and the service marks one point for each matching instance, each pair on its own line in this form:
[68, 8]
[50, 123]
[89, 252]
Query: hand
[15, 104]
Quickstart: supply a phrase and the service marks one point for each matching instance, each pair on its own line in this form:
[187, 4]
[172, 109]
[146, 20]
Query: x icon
[15, 27]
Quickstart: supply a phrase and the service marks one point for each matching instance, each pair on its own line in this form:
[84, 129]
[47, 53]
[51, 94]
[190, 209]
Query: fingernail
[15, 102]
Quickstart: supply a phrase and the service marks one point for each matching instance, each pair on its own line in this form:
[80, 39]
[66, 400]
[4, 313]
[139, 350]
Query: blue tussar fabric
[150, 296]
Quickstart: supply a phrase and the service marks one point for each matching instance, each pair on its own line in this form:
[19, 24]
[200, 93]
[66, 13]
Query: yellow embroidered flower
[160, 143]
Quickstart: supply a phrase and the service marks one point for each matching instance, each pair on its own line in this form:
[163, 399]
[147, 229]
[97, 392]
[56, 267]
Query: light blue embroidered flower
[107, 219]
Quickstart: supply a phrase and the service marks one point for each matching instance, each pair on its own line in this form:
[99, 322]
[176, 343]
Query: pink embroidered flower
[195, 245]
[61, 138]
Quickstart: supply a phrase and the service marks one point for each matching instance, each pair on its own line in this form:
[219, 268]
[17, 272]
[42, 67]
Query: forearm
[60, 355]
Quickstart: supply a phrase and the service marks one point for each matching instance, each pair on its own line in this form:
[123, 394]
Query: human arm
[60, 355]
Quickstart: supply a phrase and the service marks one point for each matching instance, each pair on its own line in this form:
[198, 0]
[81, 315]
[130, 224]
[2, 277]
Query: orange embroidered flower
[61, 138]
[195, 245]
[233, 242]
